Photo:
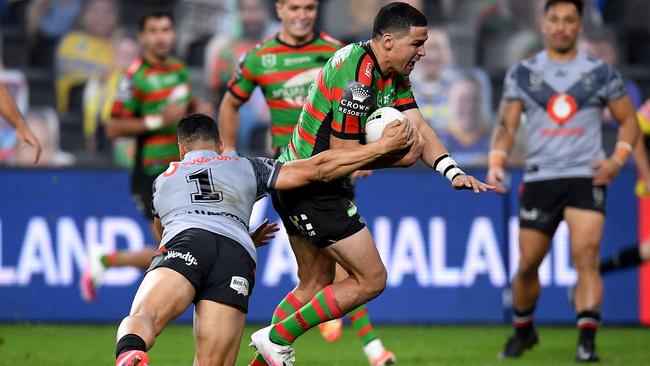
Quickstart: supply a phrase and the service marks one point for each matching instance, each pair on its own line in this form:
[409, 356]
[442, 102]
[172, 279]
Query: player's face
[158, 37]
[408, 49]
[561, 27]
[298, 17]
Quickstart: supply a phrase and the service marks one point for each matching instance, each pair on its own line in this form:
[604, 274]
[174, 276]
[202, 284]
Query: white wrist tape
[446, 166]
[153, 121]
[626, 145]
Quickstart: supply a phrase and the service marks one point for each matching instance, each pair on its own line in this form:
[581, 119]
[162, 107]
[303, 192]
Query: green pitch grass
[72, 345]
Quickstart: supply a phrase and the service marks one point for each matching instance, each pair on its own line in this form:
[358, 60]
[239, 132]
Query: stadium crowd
[61, 60]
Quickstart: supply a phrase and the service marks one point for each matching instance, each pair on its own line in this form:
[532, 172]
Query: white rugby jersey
[213, 192]
[563, 102]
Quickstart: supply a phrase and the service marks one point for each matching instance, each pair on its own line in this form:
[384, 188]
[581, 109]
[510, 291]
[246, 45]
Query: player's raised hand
[464, 181]
[606, 171]
[25, 136]
[264, 233]
[396, 136]
[495, 177]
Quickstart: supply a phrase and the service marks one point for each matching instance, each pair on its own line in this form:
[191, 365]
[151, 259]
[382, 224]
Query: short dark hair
[154, 13]
[198, 126]
[579, 4]
[397, 18]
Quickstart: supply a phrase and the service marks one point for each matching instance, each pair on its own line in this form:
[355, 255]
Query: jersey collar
[366, 46]
[191, 155]
[316, 36]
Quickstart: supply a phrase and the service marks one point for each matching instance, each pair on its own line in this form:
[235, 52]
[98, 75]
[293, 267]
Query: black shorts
[322, 212]
[220, 269]
[142, 193]
[542, 203]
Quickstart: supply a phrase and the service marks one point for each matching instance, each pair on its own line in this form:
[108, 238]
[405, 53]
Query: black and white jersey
[213, 192]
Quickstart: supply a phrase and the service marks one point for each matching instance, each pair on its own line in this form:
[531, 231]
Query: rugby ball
[379, 119]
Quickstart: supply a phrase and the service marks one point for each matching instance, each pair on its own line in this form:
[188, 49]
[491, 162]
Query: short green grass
[71, 345]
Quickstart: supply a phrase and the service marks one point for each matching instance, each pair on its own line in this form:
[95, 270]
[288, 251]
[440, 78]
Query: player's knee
[587, 259]
[375, 283]
[527, 271]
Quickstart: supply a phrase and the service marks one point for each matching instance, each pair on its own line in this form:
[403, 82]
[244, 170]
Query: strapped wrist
[446, 166]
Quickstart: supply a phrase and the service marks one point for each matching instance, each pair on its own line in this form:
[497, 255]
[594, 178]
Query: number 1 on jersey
[206, 191]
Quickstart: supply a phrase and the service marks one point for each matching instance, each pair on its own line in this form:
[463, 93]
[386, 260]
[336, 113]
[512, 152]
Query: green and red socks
[289, 305]
[361, 323]
[109, 260]
[321, 308]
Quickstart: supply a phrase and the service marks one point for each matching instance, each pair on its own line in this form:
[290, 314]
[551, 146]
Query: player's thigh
[585, 231]
[313, 264]
[358, 255]
[163, 295]
[533, 246]
[218, 330]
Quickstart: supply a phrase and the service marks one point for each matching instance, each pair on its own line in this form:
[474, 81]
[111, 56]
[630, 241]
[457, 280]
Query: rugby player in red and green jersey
[323, 224]
[153, 95]
[284, 66]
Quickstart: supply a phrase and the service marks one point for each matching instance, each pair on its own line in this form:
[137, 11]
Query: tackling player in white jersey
[202, 207]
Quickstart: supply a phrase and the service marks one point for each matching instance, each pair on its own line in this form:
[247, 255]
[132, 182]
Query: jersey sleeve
[243, 81]
[511, 89]
[404, 94]
[615, 85]
[127, 98]
[351, 98]
[266, 173]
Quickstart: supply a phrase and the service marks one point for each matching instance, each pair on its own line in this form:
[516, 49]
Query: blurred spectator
[98, 97]
[222, 56]
[198, 20]
[433, 77]
[508, 31]
[224, 51]
[16, 84]
[47, 22]
[350, 20]
[466, 136]
[87, 51]
[45, 125]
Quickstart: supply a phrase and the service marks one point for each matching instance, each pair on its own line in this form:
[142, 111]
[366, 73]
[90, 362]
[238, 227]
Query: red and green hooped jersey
[145, 89]
[346, 91]
[284, 73]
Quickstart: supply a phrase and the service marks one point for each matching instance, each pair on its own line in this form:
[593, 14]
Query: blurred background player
[284, 67]
[153, 95]
[563, 92]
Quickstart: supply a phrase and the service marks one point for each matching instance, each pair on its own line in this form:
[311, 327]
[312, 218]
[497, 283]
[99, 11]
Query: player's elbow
[322, 173]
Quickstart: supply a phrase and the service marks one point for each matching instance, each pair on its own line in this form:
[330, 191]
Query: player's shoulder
[135, 66]
[325, 37]
[259, 48]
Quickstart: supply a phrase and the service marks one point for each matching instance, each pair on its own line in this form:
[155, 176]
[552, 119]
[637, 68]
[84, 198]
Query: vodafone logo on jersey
[561, 108]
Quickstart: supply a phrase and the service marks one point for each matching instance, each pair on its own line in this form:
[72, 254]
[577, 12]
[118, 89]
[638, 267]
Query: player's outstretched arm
[9, 111]
[435, 155]
[333, 164]
[623, 112]
[503, 137]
